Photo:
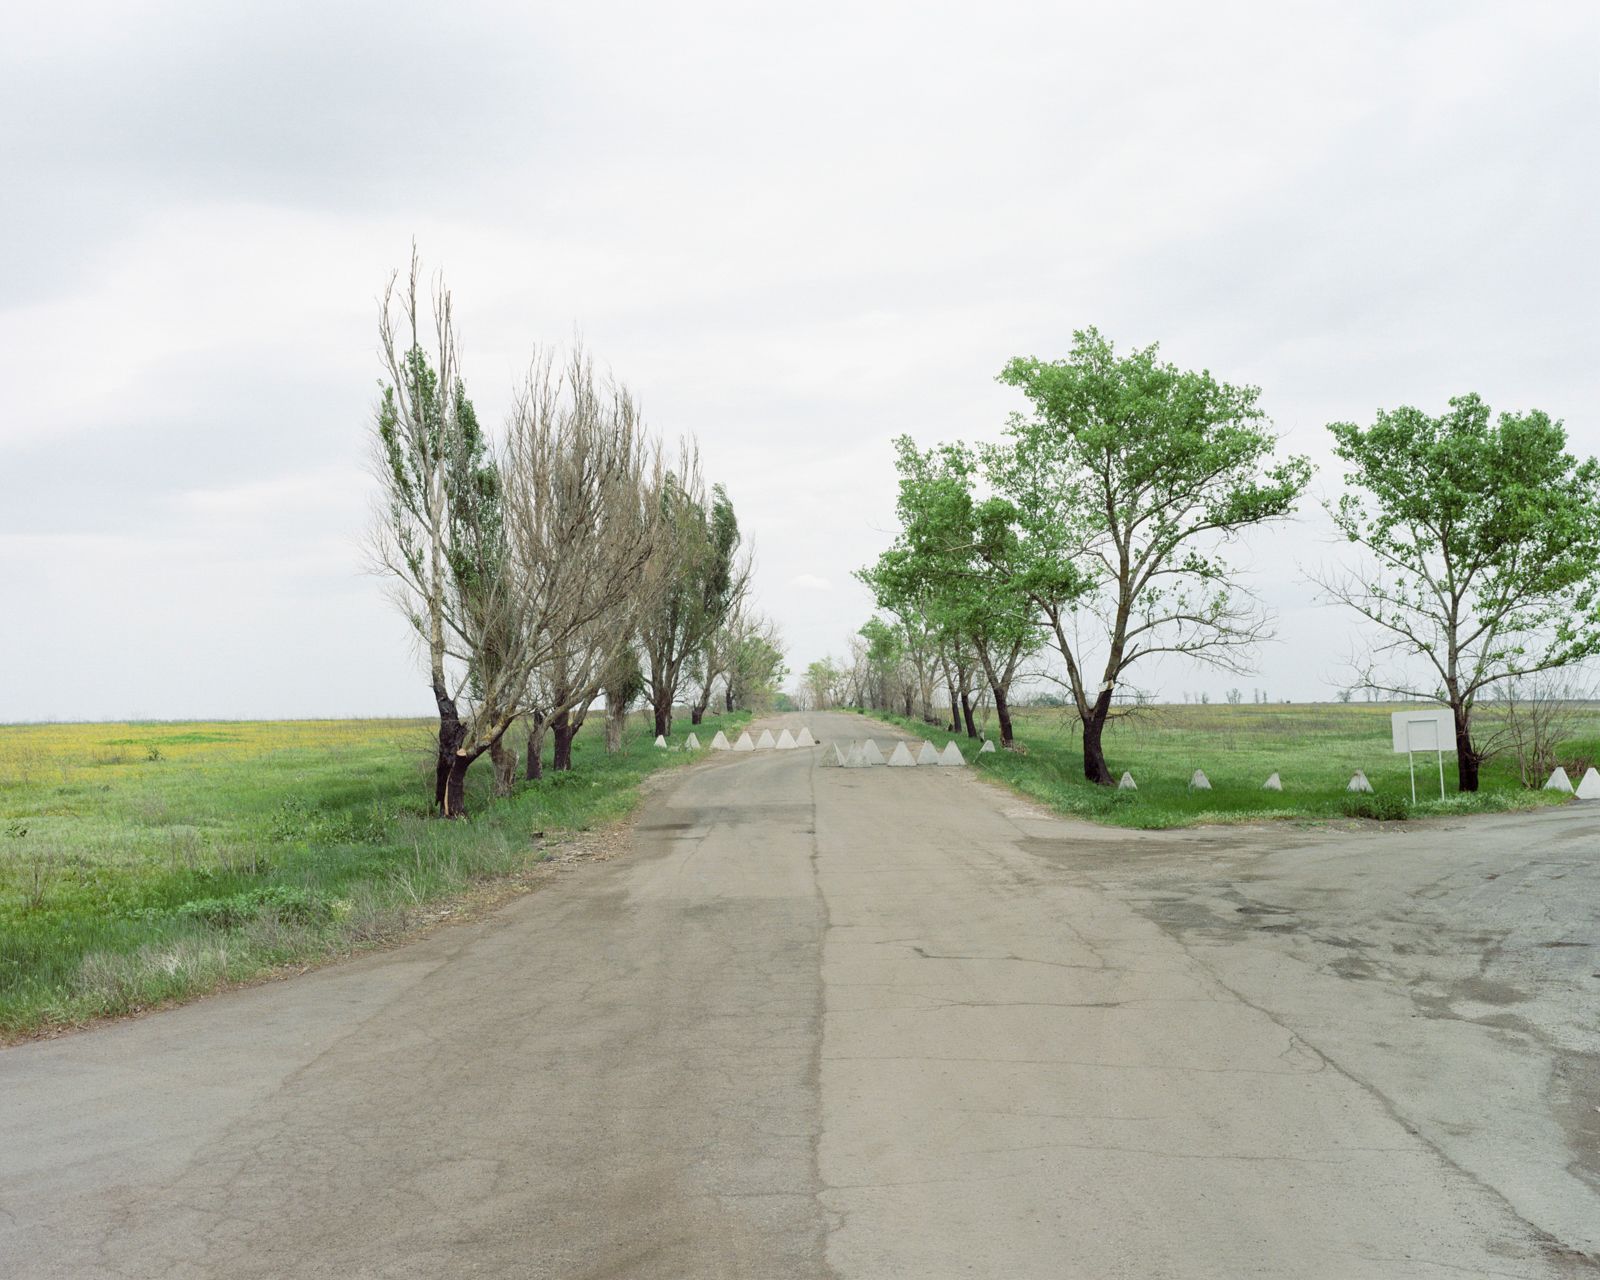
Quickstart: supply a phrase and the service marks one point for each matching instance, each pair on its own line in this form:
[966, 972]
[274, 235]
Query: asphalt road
[870, 1024]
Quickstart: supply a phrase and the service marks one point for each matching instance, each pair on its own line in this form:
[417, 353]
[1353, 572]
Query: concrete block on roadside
[720, 742]
[902, 757]
[928, 755]
[1127, 783]
[786, 741]
[765, 742]
[661, 742]
[833, 758]
[987, 746]
[870, 754]
[951, 757]
[1589, 787]
[804, 738]
[1274, 783]
[745, 743]
[852, 759]
[1559, 781]
[1358, 782]
[691, 743]
[1199, 781]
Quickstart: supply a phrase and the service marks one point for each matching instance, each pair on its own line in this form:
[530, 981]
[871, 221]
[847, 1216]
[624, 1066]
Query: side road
[857, 1023]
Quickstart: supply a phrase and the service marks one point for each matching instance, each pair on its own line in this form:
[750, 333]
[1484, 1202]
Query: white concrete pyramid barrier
[691, 743]
[928, 755]
[902, 757]
[1589, 787]
[987, 746]
[1199, 782]
[1127, 783]
[853, 759]
[786, 741]
[744, 743]
[870, 753]
[1559, 781]
[765, 742]
[1274, 783]
[951, 756]
[661, 742]
[1358, 782]
[833, 758]
[805, 739]
[720, 742]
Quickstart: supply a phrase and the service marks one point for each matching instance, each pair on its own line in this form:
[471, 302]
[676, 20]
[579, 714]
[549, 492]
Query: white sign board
[1423, 730]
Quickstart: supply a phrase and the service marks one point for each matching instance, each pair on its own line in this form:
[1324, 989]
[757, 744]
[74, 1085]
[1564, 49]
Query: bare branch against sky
[796, 234]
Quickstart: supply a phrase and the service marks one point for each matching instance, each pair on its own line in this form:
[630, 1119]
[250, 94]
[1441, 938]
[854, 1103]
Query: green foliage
[1485, 536]
[286, 902]
[1119, 493]
[1380, 808]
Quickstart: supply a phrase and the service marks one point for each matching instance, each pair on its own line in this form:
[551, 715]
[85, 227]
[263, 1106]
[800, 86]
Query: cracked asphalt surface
[876, 1023]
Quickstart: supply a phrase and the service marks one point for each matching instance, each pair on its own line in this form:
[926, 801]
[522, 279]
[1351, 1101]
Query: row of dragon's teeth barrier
[865, 754]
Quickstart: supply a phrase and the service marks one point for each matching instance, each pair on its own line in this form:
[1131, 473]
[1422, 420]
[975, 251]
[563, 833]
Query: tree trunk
[1466, 754]
[727, 696]
[563, 731]
[663, 710]
[505, 766]
[955, 707]
[455, 790]
[966, 714]
[1002, 713]
[616, 721]
[696, 715]
[1094, 756]
[451, 733]
[535, 768]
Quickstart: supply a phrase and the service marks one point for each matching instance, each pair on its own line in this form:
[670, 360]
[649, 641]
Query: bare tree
[440, 534]
[582, 515]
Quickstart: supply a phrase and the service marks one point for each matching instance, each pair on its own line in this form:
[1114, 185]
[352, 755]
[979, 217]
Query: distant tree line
[568, 561]
[1098, 532]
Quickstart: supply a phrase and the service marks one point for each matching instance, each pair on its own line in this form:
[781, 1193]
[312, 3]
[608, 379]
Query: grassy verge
[1314, 748]
[142, 863]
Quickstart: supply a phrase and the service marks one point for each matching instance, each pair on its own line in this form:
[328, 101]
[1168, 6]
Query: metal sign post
[1422, 731]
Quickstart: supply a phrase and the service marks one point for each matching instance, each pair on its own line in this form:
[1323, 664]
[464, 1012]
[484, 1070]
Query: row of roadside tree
[571, 559]
[1098, 531]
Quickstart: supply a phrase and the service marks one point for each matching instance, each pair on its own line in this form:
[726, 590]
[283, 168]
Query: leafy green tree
[1484, 537]
[1118, 494]
[951, 568]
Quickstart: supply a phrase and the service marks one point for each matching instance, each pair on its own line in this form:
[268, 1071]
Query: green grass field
[1315, 748]
[146, 862]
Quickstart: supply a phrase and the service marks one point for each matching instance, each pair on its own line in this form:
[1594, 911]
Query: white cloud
[810, 582]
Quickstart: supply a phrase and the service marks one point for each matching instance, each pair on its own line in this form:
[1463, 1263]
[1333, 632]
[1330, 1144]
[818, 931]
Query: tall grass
[146, 862]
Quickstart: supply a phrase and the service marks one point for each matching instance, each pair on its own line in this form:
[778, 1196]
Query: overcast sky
[797, 232]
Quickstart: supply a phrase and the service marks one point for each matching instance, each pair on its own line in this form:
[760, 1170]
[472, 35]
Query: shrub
[1380, 808]
[286, 902]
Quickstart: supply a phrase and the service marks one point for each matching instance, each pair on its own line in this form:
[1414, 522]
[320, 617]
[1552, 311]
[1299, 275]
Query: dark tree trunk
[451, 733]
[966, 714]
[455, 786]
[955, 707]
[908, 705]
[696, 715]
[727, 697]
[563, 731]
[1094, 756]
[1466, 755]
[1002, 713]
[663, 710]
